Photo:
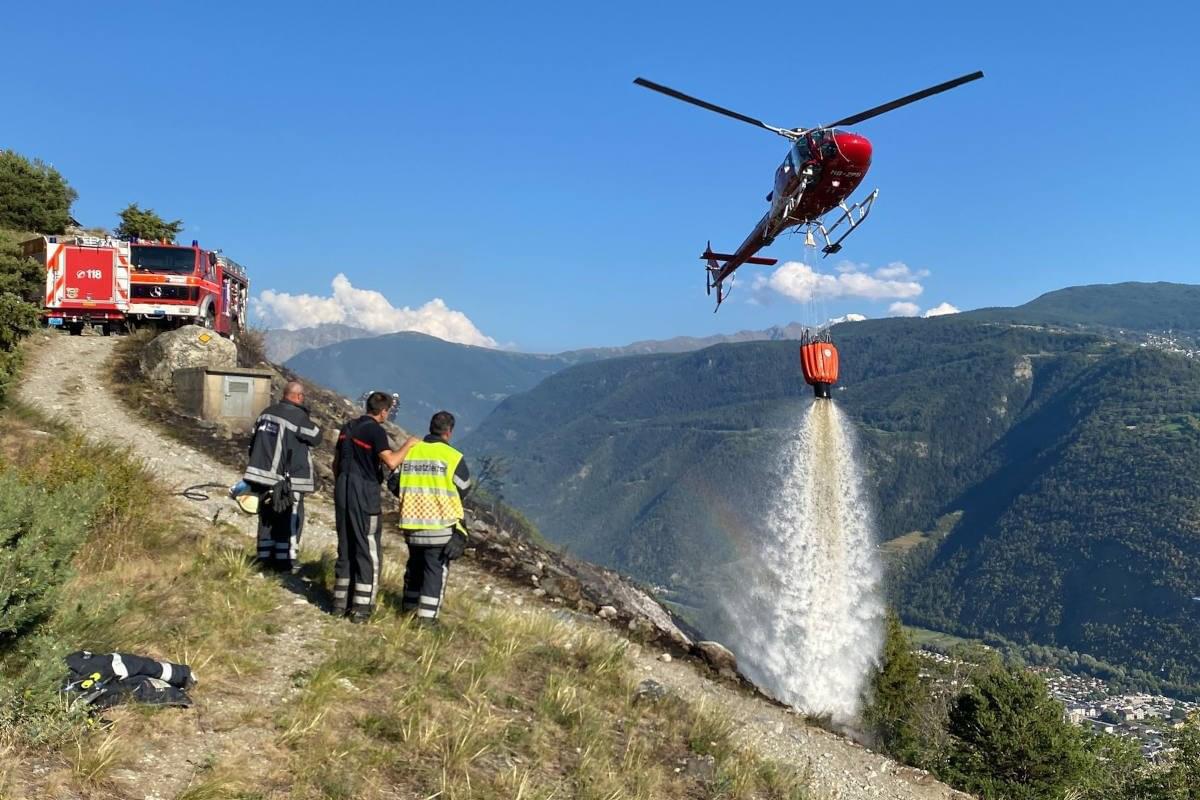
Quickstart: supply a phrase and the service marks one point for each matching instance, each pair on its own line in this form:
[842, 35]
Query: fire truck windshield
[163, 259]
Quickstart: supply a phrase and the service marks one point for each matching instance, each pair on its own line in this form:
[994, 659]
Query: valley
[1054, 453]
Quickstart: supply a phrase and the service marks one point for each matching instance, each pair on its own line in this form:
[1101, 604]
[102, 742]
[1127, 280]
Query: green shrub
[20, 275]
[18, 319]
[40, 531]
[20, 286]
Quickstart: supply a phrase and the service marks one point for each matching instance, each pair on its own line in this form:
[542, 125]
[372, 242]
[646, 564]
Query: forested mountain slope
[1077, 529]
[429, 374]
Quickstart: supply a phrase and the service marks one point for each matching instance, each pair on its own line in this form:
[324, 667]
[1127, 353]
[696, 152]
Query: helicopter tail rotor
[721, 265]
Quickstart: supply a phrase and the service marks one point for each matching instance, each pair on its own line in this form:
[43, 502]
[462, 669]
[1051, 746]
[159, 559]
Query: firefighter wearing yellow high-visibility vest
[432, 482]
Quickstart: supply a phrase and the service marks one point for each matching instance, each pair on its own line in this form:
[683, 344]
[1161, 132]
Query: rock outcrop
[591, 590]
[189, 346]
[718, 657]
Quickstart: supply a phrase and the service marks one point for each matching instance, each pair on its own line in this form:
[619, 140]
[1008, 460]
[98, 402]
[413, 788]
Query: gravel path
[65, 378]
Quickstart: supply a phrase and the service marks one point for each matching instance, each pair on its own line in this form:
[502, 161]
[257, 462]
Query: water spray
[810, 620]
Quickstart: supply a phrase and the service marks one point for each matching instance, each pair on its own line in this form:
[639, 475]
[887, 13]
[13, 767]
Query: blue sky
[498, 157]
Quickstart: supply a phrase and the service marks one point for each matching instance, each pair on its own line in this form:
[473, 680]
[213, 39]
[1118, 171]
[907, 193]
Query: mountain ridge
[485, 376]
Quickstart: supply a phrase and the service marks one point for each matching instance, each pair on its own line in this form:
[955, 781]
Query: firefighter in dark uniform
[432, 482]
[280, 469]
[363, 450]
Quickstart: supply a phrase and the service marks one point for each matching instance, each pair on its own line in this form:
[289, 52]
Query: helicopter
[823, 167]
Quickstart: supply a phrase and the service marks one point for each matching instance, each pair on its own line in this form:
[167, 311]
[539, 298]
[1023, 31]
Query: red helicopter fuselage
[820, 171]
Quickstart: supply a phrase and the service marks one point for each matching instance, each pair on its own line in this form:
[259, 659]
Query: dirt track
[65, 378]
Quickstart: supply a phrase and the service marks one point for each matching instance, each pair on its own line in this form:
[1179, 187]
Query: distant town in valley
[1139, 717]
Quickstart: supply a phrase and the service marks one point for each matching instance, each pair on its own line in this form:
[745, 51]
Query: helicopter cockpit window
[799, 154]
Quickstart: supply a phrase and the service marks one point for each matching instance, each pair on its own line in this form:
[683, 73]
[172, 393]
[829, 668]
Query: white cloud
[370, 310]
[898, 270]
[802, 283]
[940, 311]
[903, 309]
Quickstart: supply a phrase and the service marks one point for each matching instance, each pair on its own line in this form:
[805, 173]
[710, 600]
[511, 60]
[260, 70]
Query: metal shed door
[236, 398]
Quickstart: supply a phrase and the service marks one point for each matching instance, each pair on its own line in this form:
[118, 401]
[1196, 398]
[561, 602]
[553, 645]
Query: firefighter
[431, 485]
[363, 450]
[280, 467]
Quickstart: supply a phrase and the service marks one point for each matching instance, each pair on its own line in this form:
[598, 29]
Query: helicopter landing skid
[852, 216]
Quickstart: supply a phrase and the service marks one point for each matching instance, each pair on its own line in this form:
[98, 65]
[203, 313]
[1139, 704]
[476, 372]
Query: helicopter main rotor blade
[903, 101]
[687, 98]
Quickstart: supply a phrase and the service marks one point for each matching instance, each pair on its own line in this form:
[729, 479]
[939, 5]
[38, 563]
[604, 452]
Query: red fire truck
[172, 285]
[87, 280]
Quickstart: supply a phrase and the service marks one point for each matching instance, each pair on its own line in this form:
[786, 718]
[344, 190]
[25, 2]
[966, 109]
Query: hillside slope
[1077, 531]
[1131, 306]
[428, 373]
[431, 374]
[518, 696]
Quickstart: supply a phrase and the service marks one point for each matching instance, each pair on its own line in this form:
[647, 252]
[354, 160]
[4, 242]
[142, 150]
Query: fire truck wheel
[75, 329]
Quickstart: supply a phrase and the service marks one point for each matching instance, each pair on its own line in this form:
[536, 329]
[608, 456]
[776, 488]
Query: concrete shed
[231, 395]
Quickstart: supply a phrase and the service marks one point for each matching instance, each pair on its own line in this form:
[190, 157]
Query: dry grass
[499, 702]
[252, 347]
[144, 582]
[94, 757]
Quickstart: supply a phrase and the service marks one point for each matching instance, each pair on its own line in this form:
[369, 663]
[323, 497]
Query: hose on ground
[197, 492]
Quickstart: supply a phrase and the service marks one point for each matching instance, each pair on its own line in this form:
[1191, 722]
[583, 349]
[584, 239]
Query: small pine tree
[1010, 740]
[138, 223]
[898, 697]
[1180, 778]
[33, 196]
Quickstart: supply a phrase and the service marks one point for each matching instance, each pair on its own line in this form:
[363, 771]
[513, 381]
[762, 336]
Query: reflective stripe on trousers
[425, 578]
[359, 527]
[279, 534]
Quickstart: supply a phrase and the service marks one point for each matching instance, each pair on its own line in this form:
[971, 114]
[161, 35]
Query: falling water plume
[809, 626]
